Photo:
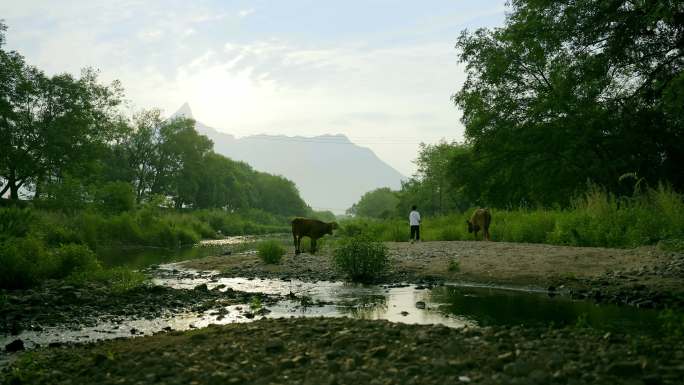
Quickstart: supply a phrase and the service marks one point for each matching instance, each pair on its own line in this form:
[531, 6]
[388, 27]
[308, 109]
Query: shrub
[72, 258]
[454, 266]
[23, 262]
[15, 222]
[270, 251]
[361, 258]
[115, 197]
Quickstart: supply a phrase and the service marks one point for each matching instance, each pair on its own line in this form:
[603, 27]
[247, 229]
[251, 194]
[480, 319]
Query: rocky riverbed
[57, 304]
[346, 351]
[644, 277]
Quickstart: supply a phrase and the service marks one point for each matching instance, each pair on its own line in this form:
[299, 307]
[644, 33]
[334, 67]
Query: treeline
[65, 144]
[568, 92]
[565, 96]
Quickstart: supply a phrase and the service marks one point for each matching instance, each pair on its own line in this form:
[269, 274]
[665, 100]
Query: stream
[454, 304]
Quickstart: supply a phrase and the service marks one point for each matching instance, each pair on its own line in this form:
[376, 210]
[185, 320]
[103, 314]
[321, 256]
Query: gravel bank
[57, 304]
[345, 351]
[643, 276]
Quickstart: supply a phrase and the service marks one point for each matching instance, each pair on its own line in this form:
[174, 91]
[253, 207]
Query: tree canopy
[64, 140]
[569, 92]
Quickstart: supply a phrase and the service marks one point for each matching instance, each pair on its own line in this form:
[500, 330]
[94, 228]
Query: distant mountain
[331, 172]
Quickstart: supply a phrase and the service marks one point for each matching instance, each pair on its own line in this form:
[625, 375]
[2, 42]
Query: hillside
[330, 171]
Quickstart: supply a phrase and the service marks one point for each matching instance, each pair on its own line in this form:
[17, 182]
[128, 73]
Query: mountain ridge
[330, 171]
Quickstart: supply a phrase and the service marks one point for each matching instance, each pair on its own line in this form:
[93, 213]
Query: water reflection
[372, 306]
[490, 306]
[142, 257]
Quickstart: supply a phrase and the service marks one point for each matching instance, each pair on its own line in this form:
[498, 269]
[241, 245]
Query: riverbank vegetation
[81, 175]
[598, 218]
[573, 131]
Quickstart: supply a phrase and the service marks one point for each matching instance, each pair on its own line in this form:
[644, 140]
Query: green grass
[38, 244]
[119, 279]
[270, 251]
[600, 219]
[361, 258]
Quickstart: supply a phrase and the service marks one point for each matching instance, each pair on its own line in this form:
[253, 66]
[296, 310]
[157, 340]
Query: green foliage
[118, 279]
[598, 218]
[14, 221]
[379, 203]
[361, 258]
[64, 140]
[115, 197]
[582, 322]
[255, 303]
[672, 322]
[570, 91]
[270, 251]
[676, 245]
[325, 216]
[72, 258]
[24, 262]
[454, 265]
[433, 188]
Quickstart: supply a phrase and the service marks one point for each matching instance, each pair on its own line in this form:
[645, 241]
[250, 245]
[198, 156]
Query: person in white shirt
[414, 222]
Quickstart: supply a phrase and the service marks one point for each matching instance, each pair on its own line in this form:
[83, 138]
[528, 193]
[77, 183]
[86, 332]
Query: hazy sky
[379, 71]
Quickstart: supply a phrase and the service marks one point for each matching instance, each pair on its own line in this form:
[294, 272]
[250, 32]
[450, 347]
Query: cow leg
[297, 242]
[313, 245]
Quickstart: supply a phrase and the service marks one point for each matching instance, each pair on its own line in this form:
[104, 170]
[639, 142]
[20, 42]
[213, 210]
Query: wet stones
[420, 305]
[274, 346]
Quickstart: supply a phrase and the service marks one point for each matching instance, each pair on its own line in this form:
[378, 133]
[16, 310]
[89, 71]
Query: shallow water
[142, 257]
[453, 304]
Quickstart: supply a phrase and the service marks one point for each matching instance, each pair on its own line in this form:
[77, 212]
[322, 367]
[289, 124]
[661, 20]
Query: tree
[379, 203]
[278, 195]
[570, 91]
[435, 187]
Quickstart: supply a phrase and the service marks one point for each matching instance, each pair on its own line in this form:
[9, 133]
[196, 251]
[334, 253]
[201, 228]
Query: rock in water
[420, 305]
[14, 346]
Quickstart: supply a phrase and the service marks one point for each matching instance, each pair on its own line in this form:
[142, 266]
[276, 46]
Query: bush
[361, 258]
[270, 251]
[73, 258]
[15, 222]
[23, 262]
[115, 197]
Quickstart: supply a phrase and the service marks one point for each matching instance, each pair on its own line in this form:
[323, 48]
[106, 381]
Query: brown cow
[480, 220]
[312, 228]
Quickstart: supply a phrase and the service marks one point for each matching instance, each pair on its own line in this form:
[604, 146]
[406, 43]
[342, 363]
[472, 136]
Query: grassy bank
[597, 219]
[39, 244]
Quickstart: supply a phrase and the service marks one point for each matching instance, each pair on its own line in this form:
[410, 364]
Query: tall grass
[598, 218]
[39, 244]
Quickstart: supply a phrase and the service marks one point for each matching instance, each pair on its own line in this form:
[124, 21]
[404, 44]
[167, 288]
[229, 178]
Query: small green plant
[119, 279]
[270, 251]
[255, 303]
[361, 258]
[305, 301]
[672, 323]
[676, 245]
[582, 322]
[454, 265]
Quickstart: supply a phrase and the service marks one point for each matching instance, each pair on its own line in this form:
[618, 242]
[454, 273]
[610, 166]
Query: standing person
[414, 222]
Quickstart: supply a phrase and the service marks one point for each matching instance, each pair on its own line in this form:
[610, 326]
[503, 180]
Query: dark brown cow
[481, 219]
[312, 228]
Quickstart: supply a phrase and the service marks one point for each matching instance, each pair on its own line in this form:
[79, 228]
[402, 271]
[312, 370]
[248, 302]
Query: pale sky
[379, 71]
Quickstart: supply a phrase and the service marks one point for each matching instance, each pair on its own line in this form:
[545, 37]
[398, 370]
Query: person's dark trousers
[415, 233]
